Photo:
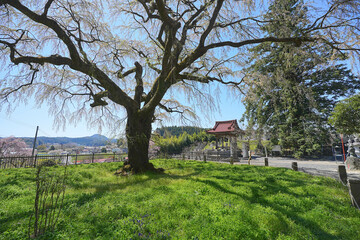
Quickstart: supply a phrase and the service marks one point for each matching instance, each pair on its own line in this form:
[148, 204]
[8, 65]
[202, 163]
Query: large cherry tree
[94, 59]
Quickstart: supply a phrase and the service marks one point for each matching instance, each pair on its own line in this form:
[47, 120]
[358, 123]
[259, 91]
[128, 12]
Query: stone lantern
[356, 145]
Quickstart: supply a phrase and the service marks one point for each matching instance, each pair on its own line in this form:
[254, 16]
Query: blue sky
[23, 121]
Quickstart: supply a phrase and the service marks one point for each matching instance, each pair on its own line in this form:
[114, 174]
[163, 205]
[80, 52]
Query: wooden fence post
[92, 159]
[342, 174]
[35, 161]
[354, 190]
[294, 166]
[67, 159]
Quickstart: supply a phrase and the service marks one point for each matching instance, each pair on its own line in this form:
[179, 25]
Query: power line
[23, 124]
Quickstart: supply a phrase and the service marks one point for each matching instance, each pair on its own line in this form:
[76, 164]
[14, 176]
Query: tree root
[127, 169]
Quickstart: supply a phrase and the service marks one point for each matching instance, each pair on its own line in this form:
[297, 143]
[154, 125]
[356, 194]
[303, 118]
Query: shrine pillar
[233, 147]
[245, 150]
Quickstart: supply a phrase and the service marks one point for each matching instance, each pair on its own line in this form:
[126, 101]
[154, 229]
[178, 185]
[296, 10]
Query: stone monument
[356, 145]
[245, 150]
[352, 162]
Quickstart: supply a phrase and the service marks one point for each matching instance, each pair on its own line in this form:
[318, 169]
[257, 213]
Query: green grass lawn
[191, 200]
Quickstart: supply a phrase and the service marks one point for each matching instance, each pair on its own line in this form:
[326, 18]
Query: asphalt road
[314, 167]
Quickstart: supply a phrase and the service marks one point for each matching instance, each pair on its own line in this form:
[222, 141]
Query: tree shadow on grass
[6, 222]
[17, 179]
[257, 197]
[269, 186]
[103, 188]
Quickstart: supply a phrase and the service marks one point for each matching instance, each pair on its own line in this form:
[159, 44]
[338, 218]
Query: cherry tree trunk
[138, 133]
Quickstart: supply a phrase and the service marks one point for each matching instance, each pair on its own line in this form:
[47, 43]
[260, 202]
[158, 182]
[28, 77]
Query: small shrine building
[227, 129]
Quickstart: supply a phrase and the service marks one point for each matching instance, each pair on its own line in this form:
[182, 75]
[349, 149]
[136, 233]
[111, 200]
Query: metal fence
[49, 160]
[208, 155]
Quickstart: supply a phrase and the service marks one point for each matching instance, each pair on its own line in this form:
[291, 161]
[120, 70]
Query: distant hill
[178, 130]
[94, 140]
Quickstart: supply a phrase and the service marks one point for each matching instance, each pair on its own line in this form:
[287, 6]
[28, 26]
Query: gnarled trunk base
[138, 133]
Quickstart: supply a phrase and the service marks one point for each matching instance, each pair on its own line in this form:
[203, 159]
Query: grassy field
[191, 200]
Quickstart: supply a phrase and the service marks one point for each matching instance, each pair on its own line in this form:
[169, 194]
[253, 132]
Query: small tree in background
[346, 115]
[42, 147]
[13, 146]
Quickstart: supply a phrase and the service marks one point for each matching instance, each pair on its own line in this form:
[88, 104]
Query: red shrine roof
[225, 127]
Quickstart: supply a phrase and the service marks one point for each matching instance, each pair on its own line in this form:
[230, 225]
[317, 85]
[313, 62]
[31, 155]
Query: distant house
[96, 150]
[55, 152]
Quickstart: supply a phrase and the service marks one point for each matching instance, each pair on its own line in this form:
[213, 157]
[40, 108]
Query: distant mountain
[94, 140]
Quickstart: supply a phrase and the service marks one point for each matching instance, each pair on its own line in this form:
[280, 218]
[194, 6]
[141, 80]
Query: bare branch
[149, 11]
[211, 22]
[296, 40]
[8, 93]
[139, 89]
[47, 6]
[43, 19]
[170, 110]
[164, 13]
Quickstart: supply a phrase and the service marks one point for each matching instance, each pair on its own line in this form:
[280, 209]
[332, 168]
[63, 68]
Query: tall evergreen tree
[291, 88]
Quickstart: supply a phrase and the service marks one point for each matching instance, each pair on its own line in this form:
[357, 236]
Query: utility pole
[36, 133]
[342, 142]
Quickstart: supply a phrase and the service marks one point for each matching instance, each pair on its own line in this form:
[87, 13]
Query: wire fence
[49, 160]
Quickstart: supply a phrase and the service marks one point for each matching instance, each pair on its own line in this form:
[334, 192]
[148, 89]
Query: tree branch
[52, 24]
[7, 94]
[211, 22]
[46, 8]
[53, 59]
[296, 40]
[207, 79]
[149, 11]
[170, 110]
[163, 13]
[75, 62]
[139, 89]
